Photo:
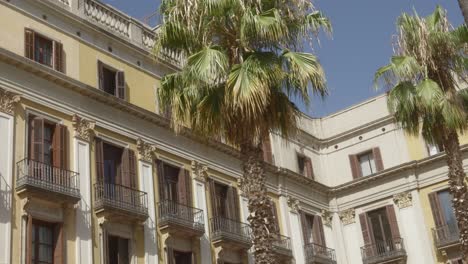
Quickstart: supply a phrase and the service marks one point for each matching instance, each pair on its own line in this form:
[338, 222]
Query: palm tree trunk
[261, 219]
[464, 8]
[458, 187]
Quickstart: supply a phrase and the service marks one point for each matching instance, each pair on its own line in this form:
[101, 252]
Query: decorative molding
[145, 150]
[200, 171]
[348, 216]
[84, 129]
[107, 17]
[8, 101]
[403, 200]
[293, 204]
[327, 217]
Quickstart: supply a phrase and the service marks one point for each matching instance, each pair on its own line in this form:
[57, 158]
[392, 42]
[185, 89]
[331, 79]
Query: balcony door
[174, 184]
[118, 250]
[446, 227]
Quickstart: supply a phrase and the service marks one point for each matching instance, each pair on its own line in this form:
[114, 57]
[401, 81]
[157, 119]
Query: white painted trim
[6, 186]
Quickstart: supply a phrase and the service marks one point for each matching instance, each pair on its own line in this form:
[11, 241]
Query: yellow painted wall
[416, 147]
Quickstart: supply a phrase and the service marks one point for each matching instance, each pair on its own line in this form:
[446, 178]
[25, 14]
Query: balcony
[120, 203]
[230, 233]
[318, 254]
[446, 236]
[181, 220]
[41, 180]
[390, 251]
[282, 246]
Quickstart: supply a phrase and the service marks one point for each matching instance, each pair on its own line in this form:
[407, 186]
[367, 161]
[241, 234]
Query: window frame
[370, 154]
[101, 65]
[55, 42]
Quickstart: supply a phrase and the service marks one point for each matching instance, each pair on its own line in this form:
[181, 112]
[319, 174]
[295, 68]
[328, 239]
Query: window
[224, 201]
[45, 242]
[111, 80]
[366, 163]
[171, 175]
[304, 165]
[182, 257]
[174, 184]
[312, 229]
[267, 151]
[380, 225]
[43, 50]
[301, 164]
[221, 199]
[434, 149]
[446, 226]
[118, 250]
[112, 163]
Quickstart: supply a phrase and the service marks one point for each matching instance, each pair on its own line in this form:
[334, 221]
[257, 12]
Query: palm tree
[427, 77]
[242, 63]
[464, 8]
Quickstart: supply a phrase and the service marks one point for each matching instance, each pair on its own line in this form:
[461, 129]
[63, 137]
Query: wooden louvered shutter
[60, 147]
[266, 148]
[317, 231]
[170, 255]
[161, 180]
[366, 229]
[59, 244]
[233, 204]
[29, 40]
[437, 212]
[37, 146]
[214, 207]
[128, 169]
[101, 75]
[305, 228]
[182, 187]
[377, 159]
[188, 187]
[132, 169]
[58, 56]
[120, 84]
[99, 150]
[355, 168]
[29, 235]
[393, 221]
[275, 216]
[309, 171]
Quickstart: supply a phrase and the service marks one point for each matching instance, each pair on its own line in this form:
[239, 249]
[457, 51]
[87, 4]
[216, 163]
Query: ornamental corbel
[293, 204]
[403, 200]
[145, 150]
[8, 101]
[327, 217]
[200, 171]
[348, 216]
[84, 129]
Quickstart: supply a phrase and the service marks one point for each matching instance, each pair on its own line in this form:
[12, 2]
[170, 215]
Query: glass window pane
[365, 167]
[445, 199]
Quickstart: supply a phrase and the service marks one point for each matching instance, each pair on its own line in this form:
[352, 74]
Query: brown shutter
[214, 208]
[99, 150]
[181, 187]
[37, 146]
[101, 75]
[132, 169]
[377, 159]
[355, 169]
[58, 55]
[267, 152]
[170, 255]
[29, 235]
[437, 212]
[317, 231]
[120, 84]
[58, 249]
[393, 221]
[309, 171]
[366, 229]
[188, 187]
[29, 44]
[275, 216]
[233, 204]
[60, 147]
[161, 179]
[194, 258]
[105, 245]
[128, 169]
[305, 228]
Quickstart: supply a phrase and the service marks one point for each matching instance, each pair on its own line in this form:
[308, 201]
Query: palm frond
[210, 64]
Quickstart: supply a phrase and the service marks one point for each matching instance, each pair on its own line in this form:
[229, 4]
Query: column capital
[293, 204]
[84, 129]
[8, 101]
[348, 216]
[403, 200]
[145, 150]
[200, 171]
[327, 217]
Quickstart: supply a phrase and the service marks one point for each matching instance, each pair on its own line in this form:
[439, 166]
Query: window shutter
[393, 221]
[317, 231]
[101, 75]
[309, 171]
[123, 250]
[366, 229]
[181, 187]
[128, 170]
[188, 187]
[437, 212]
[60, 147]
[170, 255]
[29, 44]
[355, 169]
[105, 245]
[194, 258]
[378, 159]
[120, 82]
[58, 249]
[29, 235]
[37, 146]
[214, 208]
[99, 150]
[266, 148]
[305, 228]
[58, 55]
[161, 179]
[275, 215]
[233, 204]
[132, 169]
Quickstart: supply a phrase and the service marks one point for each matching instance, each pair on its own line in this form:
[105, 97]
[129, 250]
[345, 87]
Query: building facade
[90, 171]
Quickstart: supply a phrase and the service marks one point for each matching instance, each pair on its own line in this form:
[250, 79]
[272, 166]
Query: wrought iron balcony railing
[383, 251]
[179, 214]
[224, 228]
[446, 235]
[119, 197]
[282, 245]
[45, 177]
[316, 253]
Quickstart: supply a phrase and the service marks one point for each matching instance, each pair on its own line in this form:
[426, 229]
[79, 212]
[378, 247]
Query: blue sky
[360, 44]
